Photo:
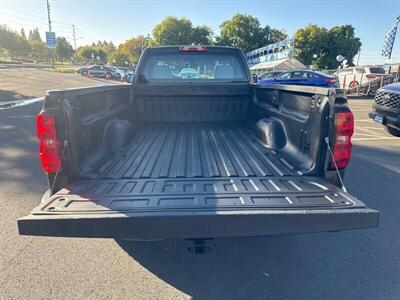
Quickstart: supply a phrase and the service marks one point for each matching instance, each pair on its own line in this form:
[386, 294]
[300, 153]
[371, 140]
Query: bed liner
[196, 150]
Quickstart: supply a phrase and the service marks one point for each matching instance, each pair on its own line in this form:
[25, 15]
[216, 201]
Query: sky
[119, 20]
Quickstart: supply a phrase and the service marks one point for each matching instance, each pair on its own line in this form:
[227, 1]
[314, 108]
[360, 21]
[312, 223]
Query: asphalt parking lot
[361, 264]
[25, 83]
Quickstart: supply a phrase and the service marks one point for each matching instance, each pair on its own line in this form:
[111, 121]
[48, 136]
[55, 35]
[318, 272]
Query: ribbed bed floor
[196, 149]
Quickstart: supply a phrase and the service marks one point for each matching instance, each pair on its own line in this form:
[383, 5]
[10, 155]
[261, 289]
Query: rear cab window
[194, 66]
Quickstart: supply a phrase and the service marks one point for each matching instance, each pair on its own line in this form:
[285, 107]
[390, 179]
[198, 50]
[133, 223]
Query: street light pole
[145, 38]
[74, 37]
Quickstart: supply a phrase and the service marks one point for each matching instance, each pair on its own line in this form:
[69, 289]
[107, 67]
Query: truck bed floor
[195, 150]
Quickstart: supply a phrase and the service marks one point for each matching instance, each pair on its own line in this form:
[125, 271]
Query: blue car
[303, 77]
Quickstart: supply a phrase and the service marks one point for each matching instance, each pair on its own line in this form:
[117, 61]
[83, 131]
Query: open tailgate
[196, 208]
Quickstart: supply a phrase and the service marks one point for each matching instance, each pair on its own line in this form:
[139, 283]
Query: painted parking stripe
[365, 134]
[374, 138]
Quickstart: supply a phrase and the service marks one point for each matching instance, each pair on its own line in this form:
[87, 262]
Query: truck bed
[195, 150]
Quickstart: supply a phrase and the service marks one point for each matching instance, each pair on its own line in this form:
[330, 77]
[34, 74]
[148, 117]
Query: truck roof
[176, 47]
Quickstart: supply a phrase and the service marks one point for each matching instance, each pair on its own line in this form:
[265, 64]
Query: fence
[362, 85]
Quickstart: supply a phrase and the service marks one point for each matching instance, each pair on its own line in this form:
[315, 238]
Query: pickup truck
[212, 155]
[386, 108]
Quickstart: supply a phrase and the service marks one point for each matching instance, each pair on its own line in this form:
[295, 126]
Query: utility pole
[49, 20]
[74, 37]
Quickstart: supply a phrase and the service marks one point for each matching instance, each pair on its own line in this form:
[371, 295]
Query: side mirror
[130, 77]
[254, 77]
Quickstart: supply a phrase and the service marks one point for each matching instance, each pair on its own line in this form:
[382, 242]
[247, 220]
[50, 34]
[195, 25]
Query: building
[285, 64]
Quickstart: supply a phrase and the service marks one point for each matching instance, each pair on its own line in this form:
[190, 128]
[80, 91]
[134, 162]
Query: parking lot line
[374, 138]
[379, 128]
[366, 134]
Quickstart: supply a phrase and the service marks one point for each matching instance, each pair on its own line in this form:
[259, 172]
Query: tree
[245, 32]
[274, 35]
[133, 47]
[326, 45]
[23, 35]
[202, 35]
[174, 31]
[342, 41]
[8, 40]
[34, 35]
[63, 49]
[13, 42]
[120, 59]
[86, 52]
[310, 41]
[38, 50]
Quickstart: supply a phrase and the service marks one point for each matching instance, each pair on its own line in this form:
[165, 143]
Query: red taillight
[370, 76]
[330, 81]
[49, 144]
[192, 49]
[342, 147]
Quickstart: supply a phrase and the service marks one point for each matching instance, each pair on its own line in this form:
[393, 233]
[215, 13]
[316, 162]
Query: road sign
[51, 40]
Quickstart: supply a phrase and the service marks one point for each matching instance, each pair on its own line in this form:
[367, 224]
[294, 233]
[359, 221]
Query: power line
[23, 18]
[34, 18]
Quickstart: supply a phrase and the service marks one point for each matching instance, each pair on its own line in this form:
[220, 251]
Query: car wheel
[353, 86]
[393, 131]
[84, 72]
[107, 76]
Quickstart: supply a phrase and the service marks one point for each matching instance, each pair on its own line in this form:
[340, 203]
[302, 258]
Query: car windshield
[193, 66]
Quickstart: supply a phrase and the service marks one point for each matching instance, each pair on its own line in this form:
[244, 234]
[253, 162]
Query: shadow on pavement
[357, 264]
[6, 96]
[19, 159]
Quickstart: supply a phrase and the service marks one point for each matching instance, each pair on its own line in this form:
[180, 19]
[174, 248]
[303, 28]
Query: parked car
[188, 73]
[214, 156]
[98, 71]
[386, 108]
[119, 72]
[302, 77]
[352, 78]
[269, 75]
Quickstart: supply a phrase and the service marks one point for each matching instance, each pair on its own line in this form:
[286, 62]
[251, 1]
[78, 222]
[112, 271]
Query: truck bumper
[387, 120]
[104, 210]
[179, 225]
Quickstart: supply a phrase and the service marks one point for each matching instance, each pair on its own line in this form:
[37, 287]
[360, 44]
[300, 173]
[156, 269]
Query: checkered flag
[389, 40]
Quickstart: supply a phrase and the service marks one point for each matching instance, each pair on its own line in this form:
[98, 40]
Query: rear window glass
[377, 70]
[192, 67]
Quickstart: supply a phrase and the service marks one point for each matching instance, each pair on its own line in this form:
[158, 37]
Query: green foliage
[13, 42]
[174, 31]
[107, 47]
[23, 35]
[343, 42]
[86, 52]
[34, 35]
[326, 44]
[63, 49]
[309, 41]
[120, 59]
[245, 32]
[38, 50]
[133, 47]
